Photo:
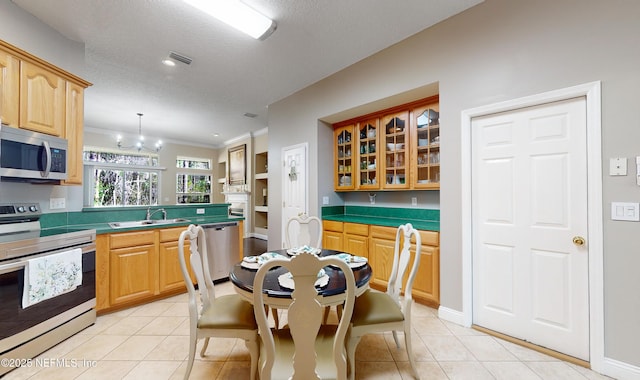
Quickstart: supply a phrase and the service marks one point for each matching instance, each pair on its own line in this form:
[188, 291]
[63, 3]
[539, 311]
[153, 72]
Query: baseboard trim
[620, 370]
[451, 315]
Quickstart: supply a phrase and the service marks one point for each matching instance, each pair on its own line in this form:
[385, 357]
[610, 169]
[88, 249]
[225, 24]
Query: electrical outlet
[325, 200]
[199, 211]
[57, 203]
[414, 201]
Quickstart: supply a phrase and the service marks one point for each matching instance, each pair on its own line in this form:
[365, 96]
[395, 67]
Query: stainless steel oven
[25, 332]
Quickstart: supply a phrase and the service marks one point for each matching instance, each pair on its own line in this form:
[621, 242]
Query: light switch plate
[629, 211]
[618, 166]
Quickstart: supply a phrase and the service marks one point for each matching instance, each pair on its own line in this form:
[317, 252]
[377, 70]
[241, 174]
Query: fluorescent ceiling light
[238, 15]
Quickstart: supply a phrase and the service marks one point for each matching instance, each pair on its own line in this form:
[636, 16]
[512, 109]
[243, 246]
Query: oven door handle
[12, 267]
[18, 264]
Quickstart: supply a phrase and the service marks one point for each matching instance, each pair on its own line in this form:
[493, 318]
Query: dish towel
[52, 275]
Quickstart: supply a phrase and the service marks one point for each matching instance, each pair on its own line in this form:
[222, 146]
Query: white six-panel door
[294, 183]
[529, 204]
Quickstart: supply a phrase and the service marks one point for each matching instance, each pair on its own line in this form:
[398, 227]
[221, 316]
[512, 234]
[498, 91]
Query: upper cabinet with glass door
[425, 154]
[368, 154]
[344, 158]
[395, 144]
[397, 148]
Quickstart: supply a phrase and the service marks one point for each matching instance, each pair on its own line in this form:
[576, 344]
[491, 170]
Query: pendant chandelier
[139, 144]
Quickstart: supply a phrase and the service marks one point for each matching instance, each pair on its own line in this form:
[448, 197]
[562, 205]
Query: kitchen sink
[144, 223]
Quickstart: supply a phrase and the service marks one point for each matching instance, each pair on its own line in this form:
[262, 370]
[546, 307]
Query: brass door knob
[578, 240]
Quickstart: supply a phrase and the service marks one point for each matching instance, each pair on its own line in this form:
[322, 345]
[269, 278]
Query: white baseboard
[620, 370]
[258, 236]
[451, 315]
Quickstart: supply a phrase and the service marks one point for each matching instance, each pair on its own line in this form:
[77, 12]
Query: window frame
[89, 186]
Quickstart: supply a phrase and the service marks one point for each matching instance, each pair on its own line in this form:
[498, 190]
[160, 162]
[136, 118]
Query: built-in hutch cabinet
[38, 96]
[392, 149]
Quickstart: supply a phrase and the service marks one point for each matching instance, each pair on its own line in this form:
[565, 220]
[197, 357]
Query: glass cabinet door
[368, 155]
[425, 157]
[344, 155]
[394, 143]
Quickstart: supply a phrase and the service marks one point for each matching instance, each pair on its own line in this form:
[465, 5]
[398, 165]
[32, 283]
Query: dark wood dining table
[280, 297]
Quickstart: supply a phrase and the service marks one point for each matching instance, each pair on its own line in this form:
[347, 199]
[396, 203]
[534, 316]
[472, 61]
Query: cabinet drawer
[387, 233]
[356, 229]
[131, 239]
[430, 238]
[171, 234]
[331, 225]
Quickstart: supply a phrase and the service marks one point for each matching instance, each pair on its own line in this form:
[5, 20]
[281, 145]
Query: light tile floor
[151, 342]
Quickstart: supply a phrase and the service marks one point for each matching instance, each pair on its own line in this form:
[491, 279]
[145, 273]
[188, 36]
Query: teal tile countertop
[421, 219]
[99, 218]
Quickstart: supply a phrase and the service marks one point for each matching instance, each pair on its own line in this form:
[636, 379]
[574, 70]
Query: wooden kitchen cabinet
[356, 239]
[9, 88]
[137, 266]
[74, 130]
[379, 249]
[381, 255]
[368, 159]
[133, 264]
[170, 275]
[425, 153]
[42, 100]
[344, 158]
[426, 286]
[332, 235]
[395, 145]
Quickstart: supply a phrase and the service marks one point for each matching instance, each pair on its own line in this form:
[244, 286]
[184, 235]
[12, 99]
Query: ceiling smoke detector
[180, 58]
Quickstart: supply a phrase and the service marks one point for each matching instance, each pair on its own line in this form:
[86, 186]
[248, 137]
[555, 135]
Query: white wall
[496, 51]
[23, 30]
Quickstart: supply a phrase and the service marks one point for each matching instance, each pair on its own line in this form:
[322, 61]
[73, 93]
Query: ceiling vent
[180, 58]
[249, 114]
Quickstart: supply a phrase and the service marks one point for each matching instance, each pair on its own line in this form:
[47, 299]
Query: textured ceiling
[231, 74]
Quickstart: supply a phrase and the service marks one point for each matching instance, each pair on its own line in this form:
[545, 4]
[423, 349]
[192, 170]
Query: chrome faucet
[150, 213]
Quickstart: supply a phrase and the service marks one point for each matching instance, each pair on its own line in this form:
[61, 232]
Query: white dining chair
[227, 316]
[376, 311]
[306, 348]
[303, 230]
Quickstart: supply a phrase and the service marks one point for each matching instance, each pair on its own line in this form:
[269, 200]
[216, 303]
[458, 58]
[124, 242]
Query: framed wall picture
[238, 165]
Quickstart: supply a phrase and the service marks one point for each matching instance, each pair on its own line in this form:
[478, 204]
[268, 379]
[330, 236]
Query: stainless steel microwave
[31, 156]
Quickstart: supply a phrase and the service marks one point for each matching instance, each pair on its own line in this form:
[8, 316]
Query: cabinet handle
[578, 240]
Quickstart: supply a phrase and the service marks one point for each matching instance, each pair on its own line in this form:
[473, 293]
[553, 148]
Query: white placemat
[286, 280]
[254, 262]
[304, 249]
[352, 260]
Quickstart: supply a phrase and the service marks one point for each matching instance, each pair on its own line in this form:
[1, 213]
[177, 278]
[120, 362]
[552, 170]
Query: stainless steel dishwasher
[223, 247]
